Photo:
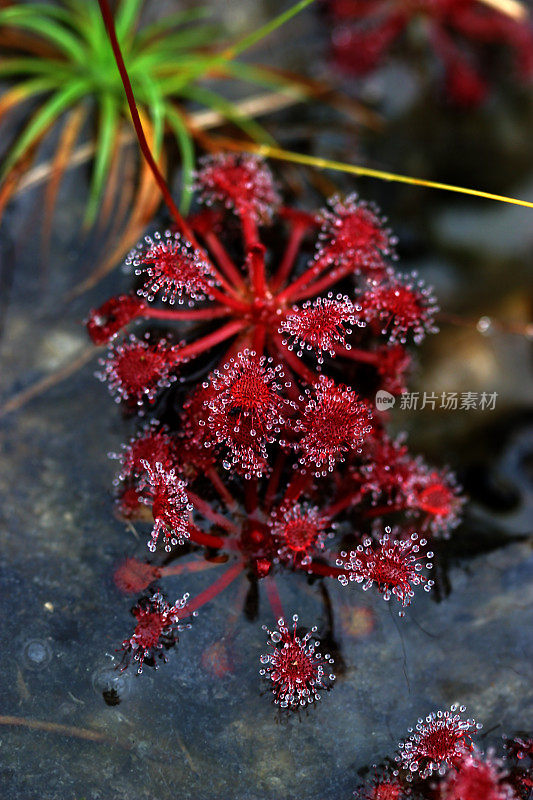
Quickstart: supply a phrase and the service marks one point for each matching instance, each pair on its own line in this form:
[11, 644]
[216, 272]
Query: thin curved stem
[203, 507]
[211, 340]
[324, 569]
[205, 539]
[229, 300]
[224, 260]
[295, 363]
[340, 505]
[147, 153]
[199, 565]
[291, 251]
[273, 597]
[324, 283]
[191, 314]
[355, 354]
[378, 511]
[298, 484]
[290, 293]
[222, 489]
[218, 586]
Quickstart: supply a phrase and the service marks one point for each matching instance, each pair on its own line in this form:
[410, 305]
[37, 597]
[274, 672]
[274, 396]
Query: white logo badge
[384, 400]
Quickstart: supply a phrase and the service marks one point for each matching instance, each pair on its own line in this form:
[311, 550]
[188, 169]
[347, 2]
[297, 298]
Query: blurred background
[199, 727]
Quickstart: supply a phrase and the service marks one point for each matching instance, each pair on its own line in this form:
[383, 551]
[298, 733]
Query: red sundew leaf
[239, 181]
[157, 627]
[246, 410]
[295, 667]
[173, 268]
[439, 741]
[353, 233]
[333, 422]
[113, 315]
[393, 566]
[320, 325]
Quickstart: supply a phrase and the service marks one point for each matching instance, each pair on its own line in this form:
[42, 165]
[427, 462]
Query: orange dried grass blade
[35, 390]
[55, 727]
[18, 40]
[327, 93]
[69, 136]
[128, 172]
[111, 188]
[10, 184]
[11, 98]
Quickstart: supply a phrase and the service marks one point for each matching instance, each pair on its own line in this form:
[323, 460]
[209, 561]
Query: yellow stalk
[354, 169]
[512, 8]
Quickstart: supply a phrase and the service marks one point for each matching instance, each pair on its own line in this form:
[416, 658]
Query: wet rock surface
[74, 727]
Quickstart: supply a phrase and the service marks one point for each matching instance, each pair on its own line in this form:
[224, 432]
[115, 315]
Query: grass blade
[45, 116]
[68, 138]
[186, 147]
[272, 25]
[23, 91]
[31, 66]
[262, 76]
[168, 22]
[62, 38]
[147, 200]
[354, 169]
[229, 111]
[126, 18]
[192, 37]
[107, 127]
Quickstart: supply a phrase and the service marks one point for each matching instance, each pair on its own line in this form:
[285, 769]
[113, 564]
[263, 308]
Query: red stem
[273, 482]
[289, 256]
[340, 505]
[292, 389]
[222, 280]
[273, 597]
[218, 586]
[192, 314]
[160, 180]
[191, 566]
[324, 569]
[223, 259]
[256, 261]
[259, 337]
[250, 495]
[367, 356]
[222, 489]
[206, 539]
[203, 507]
[240, 344]
[295, 363]
[378, 511]
[310, 274]
[319, 286]
[227, 300]
[297, 485]
[255, 251]
[209, 341]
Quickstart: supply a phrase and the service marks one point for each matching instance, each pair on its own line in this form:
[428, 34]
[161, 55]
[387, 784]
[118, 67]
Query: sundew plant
[270, 461]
